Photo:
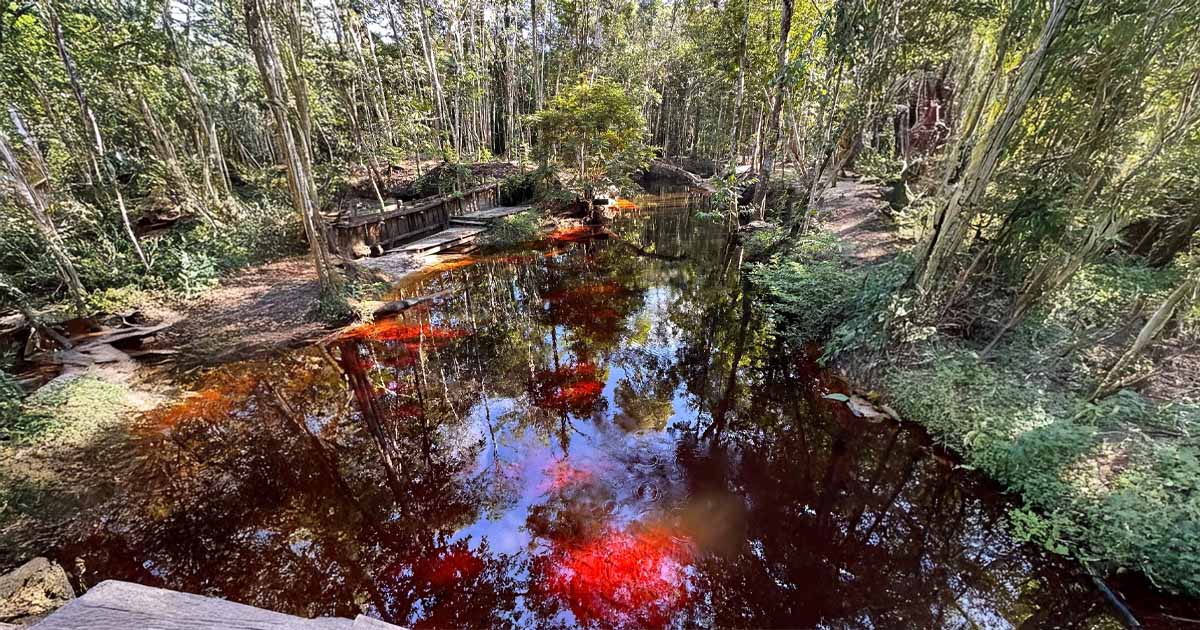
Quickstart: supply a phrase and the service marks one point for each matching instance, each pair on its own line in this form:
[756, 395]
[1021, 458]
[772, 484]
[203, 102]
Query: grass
[68, 407]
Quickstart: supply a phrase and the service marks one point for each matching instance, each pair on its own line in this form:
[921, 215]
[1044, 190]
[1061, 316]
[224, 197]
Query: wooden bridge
[367, 231]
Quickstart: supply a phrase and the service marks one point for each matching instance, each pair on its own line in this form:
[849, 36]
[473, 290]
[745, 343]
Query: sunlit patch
[398, 330]
[451, 265]
[575, 234]
[571, 388]
[623, 578]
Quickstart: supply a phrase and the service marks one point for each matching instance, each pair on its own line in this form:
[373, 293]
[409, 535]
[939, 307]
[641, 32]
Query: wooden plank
[115, 605]
[442, 240]
[493, 213]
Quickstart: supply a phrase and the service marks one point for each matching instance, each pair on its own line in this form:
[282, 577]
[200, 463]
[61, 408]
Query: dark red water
[595, 433]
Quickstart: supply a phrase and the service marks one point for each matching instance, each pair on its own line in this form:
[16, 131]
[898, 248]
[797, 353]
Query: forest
[975, 217]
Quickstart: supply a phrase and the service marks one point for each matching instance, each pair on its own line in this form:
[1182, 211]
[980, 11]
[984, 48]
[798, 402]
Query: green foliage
[117, 300]
[879, 165]
[1091, 481]
[514, 230]
[876, 311]
[808, 291]
[596, 128]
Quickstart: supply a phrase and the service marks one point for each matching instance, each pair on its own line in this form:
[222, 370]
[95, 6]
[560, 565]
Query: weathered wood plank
[114, 605]
[441, 240]
[494, 213]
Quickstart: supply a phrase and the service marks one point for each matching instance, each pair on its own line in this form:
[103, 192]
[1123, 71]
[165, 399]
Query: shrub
[807, 291]
[1093, 480]
[514, 230]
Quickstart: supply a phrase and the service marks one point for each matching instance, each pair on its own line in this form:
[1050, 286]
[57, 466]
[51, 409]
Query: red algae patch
[571, 388]
[449, 566]
[211, 403]
[573, 234]
[397, 330]
[622, 578]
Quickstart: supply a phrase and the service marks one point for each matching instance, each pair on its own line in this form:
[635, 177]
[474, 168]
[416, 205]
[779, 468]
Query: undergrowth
[807, 290]
[1115, 483]
[513, 230]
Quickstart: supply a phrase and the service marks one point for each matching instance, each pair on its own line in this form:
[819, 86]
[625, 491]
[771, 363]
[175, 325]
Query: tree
[292, 136]
[600, 132]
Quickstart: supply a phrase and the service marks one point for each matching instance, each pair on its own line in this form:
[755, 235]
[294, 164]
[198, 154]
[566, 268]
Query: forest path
[856, 211]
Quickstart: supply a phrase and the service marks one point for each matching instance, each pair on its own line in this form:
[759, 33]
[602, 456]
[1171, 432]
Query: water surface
[596, 432]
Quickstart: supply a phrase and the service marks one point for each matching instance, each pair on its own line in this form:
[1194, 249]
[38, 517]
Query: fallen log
[666, 170]
[399, 306]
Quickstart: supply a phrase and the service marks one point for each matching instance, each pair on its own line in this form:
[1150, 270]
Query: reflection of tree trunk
[908, 472]
[739, 348]
[884, 458]
[364, 394]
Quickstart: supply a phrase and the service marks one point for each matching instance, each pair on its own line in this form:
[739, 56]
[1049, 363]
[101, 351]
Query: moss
[69, 407]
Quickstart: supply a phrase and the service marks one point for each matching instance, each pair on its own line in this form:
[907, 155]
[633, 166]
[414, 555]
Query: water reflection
[600, 433]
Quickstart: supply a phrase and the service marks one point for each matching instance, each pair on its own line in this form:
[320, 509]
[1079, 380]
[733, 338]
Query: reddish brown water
[595, 433]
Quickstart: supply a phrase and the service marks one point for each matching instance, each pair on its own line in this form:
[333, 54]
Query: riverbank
[1111, 482]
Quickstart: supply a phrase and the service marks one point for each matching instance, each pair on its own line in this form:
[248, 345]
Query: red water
[581, 437]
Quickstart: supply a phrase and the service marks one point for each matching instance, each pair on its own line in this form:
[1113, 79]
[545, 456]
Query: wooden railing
[356, 234]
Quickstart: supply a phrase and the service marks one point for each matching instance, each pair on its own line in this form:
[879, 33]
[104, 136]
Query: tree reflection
[580, 436]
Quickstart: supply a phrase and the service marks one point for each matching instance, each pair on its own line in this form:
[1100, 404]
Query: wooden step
[445, 239]
[473, 222]
[491, 214]
[115, 605]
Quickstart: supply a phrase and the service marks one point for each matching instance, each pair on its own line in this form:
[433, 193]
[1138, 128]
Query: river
[595, 432]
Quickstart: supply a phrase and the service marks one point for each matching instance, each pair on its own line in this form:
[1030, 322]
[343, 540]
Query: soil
[260, 310]
[856, 211]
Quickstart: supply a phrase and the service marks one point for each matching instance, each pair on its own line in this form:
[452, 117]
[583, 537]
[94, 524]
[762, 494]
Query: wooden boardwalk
[114, 605]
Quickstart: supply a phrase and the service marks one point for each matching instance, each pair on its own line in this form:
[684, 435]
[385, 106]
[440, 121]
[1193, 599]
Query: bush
[808, 291]
[513, 230]
[1092, 479]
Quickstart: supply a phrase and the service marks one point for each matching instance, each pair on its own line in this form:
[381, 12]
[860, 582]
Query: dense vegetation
[1045, 158]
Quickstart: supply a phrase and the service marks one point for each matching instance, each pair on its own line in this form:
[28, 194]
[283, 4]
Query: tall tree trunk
[97, 153]
[289, 137]
[35, 204]
[949, 224]
[772, 136]
[736, 135]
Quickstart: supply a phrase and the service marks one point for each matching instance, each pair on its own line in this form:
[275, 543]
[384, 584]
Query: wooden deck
[486, 217]
[356, 234]
[114, 605]
[452, 237]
